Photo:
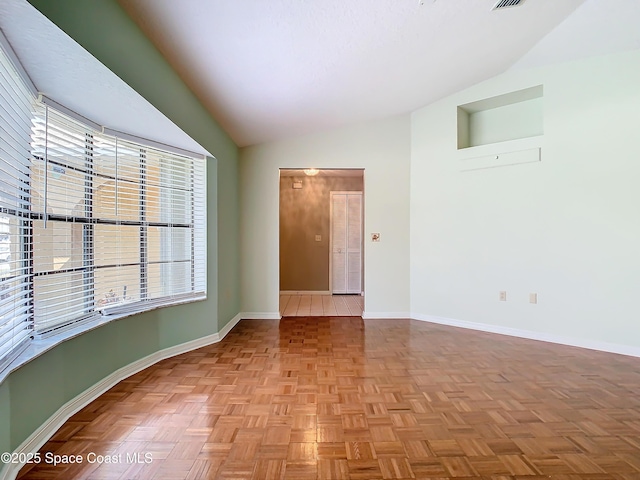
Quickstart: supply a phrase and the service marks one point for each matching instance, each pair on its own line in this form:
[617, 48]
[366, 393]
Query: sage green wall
[32, 393]
[5, 418]
[228, 261]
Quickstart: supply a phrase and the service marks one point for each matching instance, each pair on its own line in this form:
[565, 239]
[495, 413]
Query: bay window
[92, 222]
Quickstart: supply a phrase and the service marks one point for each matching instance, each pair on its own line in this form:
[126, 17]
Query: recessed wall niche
[498, 119]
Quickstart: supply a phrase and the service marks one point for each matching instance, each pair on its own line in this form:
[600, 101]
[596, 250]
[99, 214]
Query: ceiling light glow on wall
[311, 171]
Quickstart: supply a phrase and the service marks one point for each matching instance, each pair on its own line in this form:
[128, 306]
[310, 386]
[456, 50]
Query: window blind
[118, 226]
[16, 320]
[62, 182]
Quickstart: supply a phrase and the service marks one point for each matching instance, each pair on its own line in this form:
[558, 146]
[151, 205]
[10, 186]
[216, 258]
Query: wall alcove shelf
[501, 130]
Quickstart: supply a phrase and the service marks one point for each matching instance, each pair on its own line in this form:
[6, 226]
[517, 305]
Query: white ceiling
[273, 69]
[597, 27]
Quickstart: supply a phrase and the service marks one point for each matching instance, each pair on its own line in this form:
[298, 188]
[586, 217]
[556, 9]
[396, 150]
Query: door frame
[342, 192]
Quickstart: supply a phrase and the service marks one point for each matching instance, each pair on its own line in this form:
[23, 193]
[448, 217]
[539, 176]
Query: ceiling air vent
[507, 4]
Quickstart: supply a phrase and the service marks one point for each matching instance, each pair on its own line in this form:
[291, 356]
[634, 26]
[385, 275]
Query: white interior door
[354, 243]
[346, 242]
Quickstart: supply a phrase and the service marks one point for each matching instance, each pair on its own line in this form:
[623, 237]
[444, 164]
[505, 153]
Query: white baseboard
[38, 438]
[305, 292]
[383, 315]
[261, 315]
[229, 326]
[531, 335]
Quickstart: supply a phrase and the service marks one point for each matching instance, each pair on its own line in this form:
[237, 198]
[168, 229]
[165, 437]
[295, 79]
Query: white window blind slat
[14, 342]
[16, 320]
[199, 215]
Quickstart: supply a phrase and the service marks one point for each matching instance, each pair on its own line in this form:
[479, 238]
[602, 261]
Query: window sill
[38, 347]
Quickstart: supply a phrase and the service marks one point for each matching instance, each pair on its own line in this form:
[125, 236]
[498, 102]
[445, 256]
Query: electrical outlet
[533, 298]
[503, 296]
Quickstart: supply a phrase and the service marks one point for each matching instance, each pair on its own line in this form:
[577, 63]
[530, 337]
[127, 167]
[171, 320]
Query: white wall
[567, 228]
[382, 148]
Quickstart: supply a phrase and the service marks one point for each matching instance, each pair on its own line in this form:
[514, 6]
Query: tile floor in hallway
[344, 398]
[321, 305]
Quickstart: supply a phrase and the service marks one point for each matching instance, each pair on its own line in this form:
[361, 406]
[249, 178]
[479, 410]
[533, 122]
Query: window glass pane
[128, 158]
[116, 244]
[117, 285]
[13, 274]
[117, 182]
[59, 246]
[168, 188]
[121, 203]
[9, 243]
[169, 279]
[65, 142]
[153, 203]
[65, 190]
[169, 244]
[178, 204]
[60, 298]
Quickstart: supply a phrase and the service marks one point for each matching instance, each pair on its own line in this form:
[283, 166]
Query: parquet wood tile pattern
[342, 398]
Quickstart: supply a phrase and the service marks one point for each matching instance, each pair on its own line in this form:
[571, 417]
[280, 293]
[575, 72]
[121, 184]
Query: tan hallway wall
[305, 213]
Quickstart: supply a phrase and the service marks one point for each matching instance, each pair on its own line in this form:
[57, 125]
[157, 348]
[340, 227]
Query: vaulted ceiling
[272, 69]
[269, 70]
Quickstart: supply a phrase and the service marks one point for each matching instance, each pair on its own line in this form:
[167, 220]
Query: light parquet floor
[321, 305]
[342, 398]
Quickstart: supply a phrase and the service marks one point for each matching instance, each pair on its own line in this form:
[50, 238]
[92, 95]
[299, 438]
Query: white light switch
[318, 238]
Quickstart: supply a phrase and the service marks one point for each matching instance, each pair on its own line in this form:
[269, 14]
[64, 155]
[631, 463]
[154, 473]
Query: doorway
[306, 242]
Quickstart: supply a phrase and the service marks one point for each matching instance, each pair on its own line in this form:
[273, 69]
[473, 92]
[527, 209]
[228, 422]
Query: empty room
[319, 240]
